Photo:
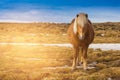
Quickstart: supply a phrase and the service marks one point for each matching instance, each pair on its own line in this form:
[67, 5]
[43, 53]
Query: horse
[81, 35]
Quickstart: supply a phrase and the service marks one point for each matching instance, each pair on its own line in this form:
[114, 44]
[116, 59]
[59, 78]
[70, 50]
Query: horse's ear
[75, 26]
[77, 15]
[86, 15]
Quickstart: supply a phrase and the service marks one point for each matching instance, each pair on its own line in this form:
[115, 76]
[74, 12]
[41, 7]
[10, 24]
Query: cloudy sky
[60, 11]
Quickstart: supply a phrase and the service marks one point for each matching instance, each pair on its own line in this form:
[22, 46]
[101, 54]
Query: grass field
[23, 62]
[54, 33]
[32, 63]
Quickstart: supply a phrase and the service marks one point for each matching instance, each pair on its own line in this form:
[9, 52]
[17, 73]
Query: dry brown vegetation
[54, 33]
[32, 62]
[23, 62]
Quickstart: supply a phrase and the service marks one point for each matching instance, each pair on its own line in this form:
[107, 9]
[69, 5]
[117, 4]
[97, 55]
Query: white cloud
[105, 15]
[33, 16]
[62, 15]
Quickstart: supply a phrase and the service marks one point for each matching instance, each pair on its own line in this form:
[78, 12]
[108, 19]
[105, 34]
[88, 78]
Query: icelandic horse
[81, 35]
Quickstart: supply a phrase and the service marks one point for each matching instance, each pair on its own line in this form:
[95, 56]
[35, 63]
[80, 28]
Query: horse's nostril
[81, 37]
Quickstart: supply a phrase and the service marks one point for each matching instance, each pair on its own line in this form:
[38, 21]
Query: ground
[54, 33]
[30, 62]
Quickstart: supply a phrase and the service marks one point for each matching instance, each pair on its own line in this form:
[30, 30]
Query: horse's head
[80, 27]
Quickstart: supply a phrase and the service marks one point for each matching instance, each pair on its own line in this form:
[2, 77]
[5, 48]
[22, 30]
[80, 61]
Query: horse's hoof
[80, 63]
[85, 69]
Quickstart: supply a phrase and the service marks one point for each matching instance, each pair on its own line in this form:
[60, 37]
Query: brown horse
[81, 35]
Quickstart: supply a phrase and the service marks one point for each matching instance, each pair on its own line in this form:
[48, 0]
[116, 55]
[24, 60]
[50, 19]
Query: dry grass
[28, 63]
[54, 33]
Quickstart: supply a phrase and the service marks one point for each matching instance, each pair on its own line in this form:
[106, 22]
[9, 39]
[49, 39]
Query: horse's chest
[78, 42]
[82, 42]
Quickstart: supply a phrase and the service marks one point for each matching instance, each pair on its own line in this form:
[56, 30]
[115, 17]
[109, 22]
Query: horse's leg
[75, 58]
[85, 57]
[79, 58]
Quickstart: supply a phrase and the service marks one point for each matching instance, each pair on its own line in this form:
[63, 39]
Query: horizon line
[52, 22]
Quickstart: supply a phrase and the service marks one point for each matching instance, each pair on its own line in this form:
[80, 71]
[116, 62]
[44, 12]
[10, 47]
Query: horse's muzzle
[81, 37]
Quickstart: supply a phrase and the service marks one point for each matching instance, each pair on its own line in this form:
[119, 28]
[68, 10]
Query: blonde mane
[82, 20]
[75, 26]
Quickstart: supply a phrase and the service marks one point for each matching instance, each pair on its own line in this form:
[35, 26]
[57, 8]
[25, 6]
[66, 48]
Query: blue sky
[60, 11]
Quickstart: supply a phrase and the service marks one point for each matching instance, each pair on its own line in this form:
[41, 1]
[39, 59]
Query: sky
[59, 11]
